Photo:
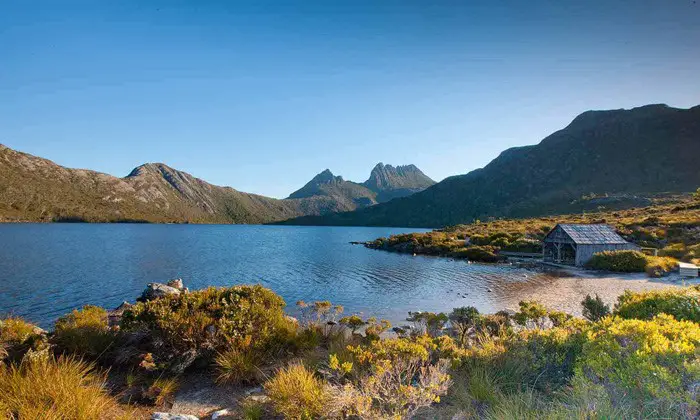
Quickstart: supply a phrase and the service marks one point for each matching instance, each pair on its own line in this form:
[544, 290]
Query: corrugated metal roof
[592, 234]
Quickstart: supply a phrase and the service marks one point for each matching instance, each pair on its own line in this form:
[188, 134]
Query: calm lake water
[46, 270]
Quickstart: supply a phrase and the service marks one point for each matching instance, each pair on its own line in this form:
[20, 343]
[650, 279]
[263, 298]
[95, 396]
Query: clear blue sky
[262, 95]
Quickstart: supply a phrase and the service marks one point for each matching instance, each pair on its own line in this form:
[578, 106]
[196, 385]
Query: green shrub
[202, 323]
[594, 309]
[477, 253]
[651, 364]
[626, 261]
[677, 251]
[681, 303]
[84, 332]
[296, 393]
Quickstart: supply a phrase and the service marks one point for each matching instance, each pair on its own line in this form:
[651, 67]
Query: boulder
[157, 290]
[178, 284]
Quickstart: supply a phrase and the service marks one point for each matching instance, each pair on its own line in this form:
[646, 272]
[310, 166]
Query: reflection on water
[48, 270]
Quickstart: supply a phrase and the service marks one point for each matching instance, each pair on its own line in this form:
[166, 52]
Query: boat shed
[575, 244]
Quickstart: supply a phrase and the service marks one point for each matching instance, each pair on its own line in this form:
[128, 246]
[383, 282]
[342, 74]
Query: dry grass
[64, 388]
[296, 393]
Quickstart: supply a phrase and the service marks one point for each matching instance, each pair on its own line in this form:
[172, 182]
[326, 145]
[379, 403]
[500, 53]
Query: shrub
[237, 366]
[296, 393]
[463, 321]
[626, 261]
[681, 303]
[206, 322]
[594, 308]
[17, 337]
[428, 322]
[161, 391]
[660, 266]
[390, 378]
[85, 332]
[477, 253]
[653, 364]
[677, 251]
[353, 322]
[63, 388]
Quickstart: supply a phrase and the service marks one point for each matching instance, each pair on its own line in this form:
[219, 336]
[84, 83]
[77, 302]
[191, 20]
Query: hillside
[620, 153]
[36, 189]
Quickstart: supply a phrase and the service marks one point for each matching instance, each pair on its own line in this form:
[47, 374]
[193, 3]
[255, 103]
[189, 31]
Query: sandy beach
[564, 290]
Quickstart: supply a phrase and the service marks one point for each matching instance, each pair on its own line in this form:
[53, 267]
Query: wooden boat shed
[575, 244]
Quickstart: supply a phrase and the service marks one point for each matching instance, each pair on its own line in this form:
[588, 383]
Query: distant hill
[36, 189]
[385, 183]
[644, 150]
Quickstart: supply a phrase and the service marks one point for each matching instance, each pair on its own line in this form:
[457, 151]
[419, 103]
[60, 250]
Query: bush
[160, 391]
[390, 378]
[626, 261]
[65, 388]
[594, 309]
[477, 253]
[17, 337]
[296, 393]
[85, 332]
[651, 364]
[203, 323]
[660, 266]
[681, 303]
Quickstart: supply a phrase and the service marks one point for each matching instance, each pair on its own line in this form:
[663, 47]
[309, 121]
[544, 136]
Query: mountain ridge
[37, 189]
[648, 149]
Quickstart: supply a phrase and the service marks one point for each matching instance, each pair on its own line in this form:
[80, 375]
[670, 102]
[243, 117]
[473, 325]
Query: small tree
[594, 309]
[463, 320]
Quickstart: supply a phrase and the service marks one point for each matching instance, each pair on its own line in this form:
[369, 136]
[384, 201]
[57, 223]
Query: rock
[157, 290]
[178, 284]
[225, 413]
[256, 390]
[171, 416]
[115, 315]
[184, 361]
[259, 398]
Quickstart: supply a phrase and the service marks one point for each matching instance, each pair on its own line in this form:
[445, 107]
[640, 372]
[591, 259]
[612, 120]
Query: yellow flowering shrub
[654, 362]
[681, 303]
[390, 378]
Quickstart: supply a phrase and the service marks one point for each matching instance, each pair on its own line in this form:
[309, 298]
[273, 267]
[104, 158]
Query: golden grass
[63, 388]
[296, 393]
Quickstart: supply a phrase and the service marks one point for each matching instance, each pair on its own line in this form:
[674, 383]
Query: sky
[263, 95]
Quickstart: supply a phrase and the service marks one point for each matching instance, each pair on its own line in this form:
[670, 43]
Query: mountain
[347, 194]
[650, 149]
[393, 182]
[385, 183]
[36, 189]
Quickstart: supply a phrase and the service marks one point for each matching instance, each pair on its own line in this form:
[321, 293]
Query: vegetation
[683, 304]
[48, 388]
[84, 332]
[668, 226]
[639, 361]
[626, 261]
[296, 393]
[594, 309]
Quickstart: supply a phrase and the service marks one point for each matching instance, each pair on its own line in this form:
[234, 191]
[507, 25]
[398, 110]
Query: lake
[46, 270]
